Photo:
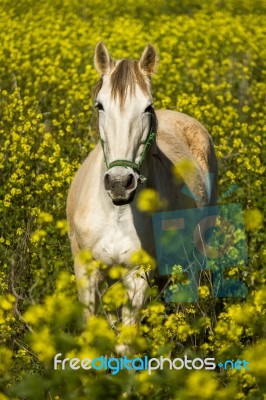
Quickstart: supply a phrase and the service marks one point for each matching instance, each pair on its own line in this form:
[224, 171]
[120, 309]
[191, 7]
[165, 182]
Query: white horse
[135, 142]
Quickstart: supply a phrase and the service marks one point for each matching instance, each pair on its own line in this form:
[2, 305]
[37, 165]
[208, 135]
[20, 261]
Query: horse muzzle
[120, 183]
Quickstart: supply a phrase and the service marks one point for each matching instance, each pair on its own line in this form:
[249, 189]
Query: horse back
[180, 137]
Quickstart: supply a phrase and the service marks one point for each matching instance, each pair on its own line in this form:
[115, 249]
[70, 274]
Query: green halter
[131, 164]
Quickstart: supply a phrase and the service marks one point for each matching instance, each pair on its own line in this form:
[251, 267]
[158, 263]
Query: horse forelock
[125, 76]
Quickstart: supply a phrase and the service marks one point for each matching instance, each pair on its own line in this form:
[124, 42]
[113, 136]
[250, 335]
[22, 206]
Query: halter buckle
[142, 179]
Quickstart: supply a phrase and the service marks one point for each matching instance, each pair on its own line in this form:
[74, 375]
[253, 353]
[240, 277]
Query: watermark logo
[210, 238]
[230, 364]
[115, 365]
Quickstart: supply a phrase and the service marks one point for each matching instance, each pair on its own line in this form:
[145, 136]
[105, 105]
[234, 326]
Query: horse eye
[149, 109]
[99, 106]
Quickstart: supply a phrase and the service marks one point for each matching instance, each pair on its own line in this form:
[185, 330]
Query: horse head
[127, 121]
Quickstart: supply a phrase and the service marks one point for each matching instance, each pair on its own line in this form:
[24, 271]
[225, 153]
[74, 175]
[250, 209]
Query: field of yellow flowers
[211, 67]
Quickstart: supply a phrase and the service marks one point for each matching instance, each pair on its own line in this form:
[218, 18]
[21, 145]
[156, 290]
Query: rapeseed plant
[211, 67]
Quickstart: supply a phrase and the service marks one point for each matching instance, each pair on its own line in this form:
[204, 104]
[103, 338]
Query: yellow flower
[43, 344]
[62, 225]
[5, 359]
[201, 382]
[38, 235]
[253, 219]
[142, 259]
[149, 201]
[184, 170]
[116, 272]
[115, 296]
[45, 217]
[204, 291]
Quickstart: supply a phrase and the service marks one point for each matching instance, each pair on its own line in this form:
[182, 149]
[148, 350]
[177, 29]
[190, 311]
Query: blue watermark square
[193, 240]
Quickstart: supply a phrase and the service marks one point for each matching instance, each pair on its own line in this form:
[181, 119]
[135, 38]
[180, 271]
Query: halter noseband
[131, 164]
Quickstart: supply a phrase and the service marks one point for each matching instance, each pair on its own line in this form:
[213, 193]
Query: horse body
[101, 210]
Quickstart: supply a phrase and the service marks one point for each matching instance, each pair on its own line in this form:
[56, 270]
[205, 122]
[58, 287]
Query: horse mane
[124, 77]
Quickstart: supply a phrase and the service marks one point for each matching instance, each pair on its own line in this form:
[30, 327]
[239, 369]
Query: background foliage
[211, 67]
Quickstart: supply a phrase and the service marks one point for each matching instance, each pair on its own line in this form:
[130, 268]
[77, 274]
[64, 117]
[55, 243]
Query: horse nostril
[107, 182]
[129, 182]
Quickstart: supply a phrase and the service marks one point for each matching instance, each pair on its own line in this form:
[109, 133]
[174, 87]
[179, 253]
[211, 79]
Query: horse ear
[102, 59]
[148, 61]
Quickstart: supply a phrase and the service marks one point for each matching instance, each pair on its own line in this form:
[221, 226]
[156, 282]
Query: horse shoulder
[82, 188]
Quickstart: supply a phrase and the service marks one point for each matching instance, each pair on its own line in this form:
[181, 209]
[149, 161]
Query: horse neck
[158, 169]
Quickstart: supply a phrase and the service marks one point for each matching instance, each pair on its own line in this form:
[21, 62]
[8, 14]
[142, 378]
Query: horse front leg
[136, 287]
[87, 288]
[87, 284]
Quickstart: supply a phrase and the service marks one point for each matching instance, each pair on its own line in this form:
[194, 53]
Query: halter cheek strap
[131, 164]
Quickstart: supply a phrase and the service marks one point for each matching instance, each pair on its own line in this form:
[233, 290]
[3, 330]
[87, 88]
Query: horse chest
[113, 237]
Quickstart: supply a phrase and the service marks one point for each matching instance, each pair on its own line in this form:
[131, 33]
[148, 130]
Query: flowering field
[211, 67]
